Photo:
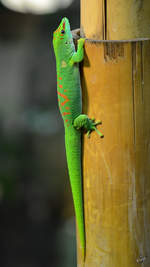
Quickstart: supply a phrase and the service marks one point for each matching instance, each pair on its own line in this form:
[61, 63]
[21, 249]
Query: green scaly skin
[69, 99]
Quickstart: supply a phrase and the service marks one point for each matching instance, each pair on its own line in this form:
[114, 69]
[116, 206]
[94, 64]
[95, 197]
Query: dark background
[37, 227]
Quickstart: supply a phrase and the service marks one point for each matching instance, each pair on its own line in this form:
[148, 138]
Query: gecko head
[62, 36]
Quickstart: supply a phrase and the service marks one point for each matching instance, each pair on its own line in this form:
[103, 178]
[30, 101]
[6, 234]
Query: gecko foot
[89, 125]
[92, 127]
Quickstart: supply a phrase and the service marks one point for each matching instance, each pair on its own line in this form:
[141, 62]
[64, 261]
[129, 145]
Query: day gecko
[70, 105]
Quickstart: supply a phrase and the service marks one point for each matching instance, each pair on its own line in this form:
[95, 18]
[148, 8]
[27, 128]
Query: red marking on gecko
[65, 97]
[64, 25]
[66, 120]
[67, 108]
[66, 113]
[60, 85]
[60, 78]
[65, 90]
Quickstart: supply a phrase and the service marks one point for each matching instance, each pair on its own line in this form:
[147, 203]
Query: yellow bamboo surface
[128, 19]
[93, 19]
[115, 19]
[116, 90]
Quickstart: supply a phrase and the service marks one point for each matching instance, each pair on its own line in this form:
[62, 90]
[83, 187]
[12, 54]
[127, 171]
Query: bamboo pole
[128, 19]
[116, 169]
[116, 89]
[115, 19]
[93, 19]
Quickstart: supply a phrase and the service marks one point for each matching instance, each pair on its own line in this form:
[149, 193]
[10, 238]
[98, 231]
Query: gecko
[70, 105]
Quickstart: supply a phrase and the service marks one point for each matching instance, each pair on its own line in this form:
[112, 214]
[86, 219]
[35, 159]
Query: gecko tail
[82, 244]
[73, 153]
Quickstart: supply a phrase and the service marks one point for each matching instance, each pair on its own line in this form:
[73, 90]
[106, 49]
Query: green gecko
[70, 105]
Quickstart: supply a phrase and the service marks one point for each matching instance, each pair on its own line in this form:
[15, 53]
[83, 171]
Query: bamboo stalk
[115, 19]
[117, 168]
[93, 23]
[116, 89]
[128, 19]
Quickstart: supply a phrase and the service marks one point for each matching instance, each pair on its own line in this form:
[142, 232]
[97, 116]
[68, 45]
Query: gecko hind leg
[89, 125]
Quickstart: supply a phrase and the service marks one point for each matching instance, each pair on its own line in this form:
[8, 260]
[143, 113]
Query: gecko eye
[62, 31]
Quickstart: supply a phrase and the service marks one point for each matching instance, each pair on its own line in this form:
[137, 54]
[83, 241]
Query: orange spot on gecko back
[66, 113]
[60, 85]
[67, 108]
[65, 97]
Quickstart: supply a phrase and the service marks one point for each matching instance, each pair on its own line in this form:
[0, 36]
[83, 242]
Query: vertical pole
[93, 19]
[116, 169]
[115, 19]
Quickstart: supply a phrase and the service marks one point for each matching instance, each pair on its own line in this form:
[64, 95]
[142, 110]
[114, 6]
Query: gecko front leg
[79, 55]
[89, 125]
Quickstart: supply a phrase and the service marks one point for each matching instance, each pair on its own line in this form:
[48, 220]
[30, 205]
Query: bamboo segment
[93, 19]
[116, 90]
[115, 19]
[128, 19]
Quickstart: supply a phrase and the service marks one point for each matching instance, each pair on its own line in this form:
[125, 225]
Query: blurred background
[37, 226]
